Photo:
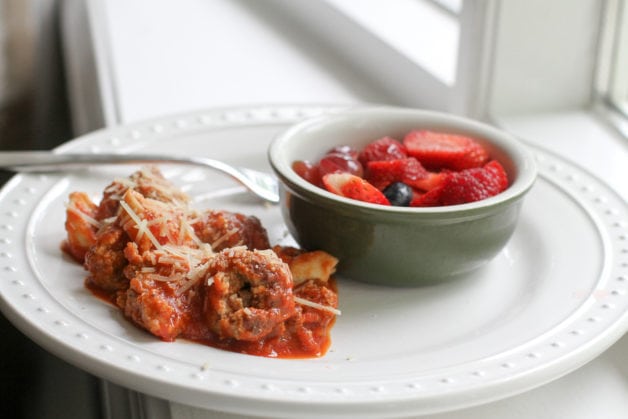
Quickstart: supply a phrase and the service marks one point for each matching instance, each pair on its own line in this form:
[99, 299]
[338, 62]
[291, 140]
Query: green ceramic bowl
[397, 245]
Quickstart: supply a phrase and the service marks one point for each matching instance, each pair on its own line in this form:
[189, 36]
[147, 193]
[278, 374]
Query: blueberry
[399, 194]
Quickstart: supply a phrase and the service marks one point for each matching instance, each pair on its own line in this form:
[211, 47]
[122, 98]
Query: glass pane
[613, 82]
[452, 6]
[411, 27]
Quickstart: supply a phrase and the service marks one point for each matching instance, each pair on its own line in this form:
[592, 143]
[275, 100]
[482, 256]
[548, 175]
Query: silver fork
[261, 184]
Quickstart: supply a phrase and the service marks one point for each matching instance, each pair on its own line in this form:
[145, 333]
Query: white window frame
[613, 73]
[494, 35]
[612, 80]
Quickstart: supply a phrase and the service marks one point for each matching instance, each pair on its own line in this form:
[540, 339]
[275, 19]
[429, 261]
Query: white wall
[545, 55]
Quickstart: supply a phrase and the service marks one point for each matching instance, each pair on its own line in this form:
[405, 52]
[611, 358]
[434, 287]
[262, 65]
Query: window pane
[452, 6]
[613, 81]
[620, 79]
[411, 27]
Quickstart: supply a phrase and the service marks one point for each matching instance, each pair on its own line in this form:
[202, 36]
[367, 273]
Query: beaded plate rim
[602, 319]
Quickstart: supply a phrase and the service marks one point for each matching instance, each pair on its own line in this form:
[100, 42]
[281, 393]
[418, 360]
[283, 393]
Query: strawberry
[437, 151]
[494, 177]
[385, 148]
[465, 186]
[431, 181]
[354, 187]
[382, 173]
[426, 199]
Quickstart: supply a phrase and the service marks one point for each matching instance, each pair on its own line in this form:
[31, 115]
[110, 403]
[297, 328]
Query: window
[451, 6]
[486, 59]
[411, 27]
[613, 71]
[476, 58]
[408, 47]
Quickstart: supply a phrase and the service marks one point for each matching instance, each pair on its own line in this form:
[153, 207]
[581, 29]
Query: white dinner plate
[552, 300]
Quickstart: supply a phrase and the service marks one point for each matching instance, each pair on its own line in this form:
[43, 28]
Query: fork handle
[45, 161]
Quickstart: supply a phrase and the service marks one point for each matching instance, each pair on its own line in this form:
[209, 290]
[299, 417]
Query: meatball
[148, 182]
[157, 307]
[105, 261]
[311, 325]
[250, 296]
[223, 229]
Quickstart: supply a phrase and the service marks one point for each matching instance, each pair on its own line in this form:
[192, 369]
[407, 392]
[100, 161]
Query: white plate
[551, 301]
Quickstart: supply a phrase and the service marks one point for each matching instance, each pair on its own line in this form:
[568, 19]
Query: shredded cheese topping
[141, 225]
[318, 306]
[188, 257]
[92, 221]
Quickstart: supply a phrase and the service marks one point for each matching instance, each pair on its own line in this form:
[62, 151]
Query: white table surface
[133, 60]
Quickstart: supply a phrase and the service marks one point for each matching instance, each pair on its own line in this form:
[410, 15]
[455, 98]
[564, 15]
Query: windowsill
[580, 136]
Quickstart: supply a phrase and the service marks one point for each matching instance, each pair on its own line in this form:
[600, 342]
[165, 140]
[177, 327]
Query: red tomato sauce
[207, 276]
[288, 341]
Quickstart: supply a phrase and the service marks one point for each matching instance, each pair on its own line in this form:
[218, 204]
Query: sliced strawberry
[351, 186]
[432, 181]
[385, 148]
[426, 199]
[437, 151]
[382, 173]
[465, 186]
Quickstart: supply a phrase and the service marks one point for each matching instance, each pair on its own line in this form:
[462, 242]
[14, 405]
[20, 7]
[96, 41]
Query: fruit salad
[424, 169]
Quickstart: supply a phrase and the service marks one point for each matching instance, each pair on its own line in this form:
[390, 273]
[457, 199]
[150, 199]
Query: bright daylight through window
[612, 81]
[615, 76]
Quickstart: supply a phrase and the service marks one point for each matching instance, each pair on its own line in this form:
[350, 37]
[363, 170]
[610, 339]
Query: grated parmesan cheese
[166, 250]
[90, 220]
[140, 226]
[224, 237]
[318, 306]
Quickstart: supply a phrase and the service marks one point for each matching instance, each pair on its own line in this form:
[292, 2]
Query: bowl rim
[521, 156]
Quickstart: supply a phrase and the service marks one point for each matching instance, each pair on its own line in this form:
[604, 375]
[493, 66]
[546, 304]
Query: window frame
[490, 30]
[611, 101]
